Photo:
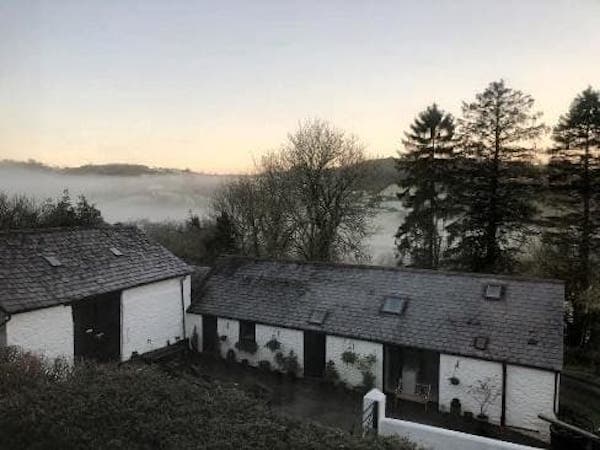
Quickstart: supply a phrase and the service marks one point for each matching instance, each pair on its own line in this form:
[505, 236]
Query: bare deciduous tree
[305, 200]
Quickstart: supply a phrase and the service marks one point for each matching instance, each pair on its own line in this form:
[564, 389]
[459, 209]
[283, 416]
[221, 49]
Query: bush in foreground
[141, 407]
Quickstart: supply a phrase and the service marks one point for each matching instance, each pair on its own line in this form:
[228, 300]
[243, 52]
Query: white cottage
[102, 293]
[478, 343]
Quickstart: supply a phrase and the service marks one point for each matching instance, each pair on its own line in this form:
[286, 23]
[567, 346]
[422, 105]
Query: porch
[411, 375]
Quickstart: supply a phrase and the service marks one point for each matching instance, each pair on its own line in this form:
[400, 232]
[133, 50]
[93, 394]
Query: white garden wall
[529, 392]
[430, 437]
[469, 372]
[288, 338]
[335, 346]
[47, 331]
[152, 316]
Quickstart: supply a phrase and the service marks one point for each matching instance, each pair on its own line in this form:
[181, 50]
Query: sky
[210, 86]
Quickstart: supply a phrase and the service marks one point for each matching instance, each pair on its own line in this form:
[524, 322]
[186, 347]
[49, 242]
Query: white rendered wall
[288, 338]
[335, 346]
[469, 372]
[47, 331]
[152, 316]
[529, 392]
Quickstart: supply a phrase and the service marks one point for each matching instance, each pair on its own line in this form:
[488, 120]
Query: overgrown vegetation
[20, 211]
[49, 406]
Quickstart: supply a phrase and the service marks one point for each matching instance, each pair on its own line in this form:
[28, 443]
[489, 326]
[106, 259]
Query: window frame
[247, 331]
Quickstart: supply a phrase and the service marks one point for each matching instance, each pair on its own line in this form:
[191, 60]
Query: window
[394, 305]
[494, 291]
[53, 261]
[247, 331]
[317, 316]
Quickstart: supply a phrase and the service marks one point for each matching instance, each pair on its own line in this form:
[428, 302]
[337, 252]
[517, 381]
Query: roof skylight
[317, 316]
[394, 305]
[494, 291]
[52, 260]
[115, 251]
[481, 342]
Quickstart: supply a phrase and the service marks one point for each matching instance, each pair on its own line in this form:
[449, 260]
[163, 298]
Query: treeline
[20, 211]
[477, 199]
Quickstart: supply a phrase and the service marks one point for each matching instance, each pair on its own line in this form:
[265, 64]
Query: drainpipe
[181, 281]
[503, 415]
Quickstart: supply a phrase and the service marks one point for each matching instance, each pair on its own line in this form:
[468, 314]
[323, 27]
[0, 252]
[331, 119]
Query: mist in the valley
[154, 197]
[167, 197]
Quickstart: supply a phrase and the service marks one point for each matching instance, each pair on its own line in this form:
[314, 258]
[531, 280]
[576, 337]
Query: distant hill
[382, 172]
[112, 169]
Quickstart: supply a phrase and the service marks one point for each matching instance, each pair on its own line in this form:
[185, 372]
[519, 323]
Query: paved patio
[319, 402]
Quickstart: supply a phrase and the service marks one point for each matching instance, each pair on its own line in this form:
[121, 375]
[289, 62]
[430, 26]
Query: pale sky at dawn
[210, 85]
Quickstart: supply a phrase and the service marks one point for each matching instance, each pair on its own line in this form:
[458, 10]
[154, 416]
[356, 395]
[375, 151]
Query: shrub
[273, 344]
[264, 365]
[289, 364]
[140, 407]
[331, 373]
[368, 380]
[349, 357]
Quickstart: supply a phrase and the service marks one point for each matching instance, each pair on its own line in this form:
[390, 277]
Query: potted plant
[485, 392]
[273, 344]
[349, 357]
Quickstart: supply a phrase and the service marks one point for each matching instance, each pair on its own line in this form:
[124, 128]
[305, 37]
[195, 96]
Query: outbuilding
[102, 293]
[486, 344]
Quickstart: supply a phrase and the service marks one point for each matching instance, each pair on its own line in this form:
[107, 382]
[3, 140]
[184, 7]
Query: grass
[49, 406]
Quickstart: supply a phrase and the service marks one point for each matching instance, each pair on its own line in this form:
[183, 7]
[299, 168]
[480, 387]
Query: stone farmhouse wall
[47, 331]
[152, 315]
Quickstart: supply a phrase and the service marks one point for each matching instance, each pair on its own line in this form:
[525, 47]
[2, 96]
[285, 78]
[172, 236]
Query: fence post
[373, 410]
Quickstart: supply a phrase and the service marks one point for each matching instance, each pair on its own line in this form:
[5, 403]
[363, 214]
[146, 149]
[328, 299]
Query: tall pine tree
[574, 181]
[423, 169]
[492, 184]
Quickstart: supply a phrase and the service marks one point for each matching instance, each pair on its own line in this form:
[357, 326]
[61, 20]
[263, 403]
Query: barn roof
[41, 268]
[517, 320]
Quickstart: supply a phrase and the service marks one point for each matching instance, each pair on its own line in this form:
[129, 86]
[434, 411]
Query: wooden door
[314, 354]
[97, 327]
[209, 334]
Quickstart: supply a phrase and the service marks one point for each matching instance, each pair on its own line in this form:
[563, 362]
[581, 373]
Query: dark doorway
[97, 327]
[209, 334]
[392, 361]
[314, 354]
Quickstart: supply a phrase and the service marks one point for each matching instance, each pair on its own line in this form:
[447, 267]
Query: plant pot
[454, 381]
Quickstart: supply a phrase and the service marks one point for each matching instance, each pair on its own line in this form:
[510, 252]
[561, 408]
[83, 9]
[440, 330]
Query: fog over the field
[120, 198]
[160, 197]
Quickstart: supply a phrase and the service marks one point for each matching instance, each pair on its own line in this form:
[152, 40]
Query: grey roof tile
[446, 310]
[88, 267]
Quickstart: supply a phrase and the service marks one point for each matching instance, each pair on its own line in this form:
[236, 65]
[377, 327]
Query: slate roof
[446, 311]
[28, 281]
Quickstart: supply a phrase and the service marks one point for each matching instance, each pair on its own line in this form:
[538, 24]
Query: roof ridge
[445, 272]
[43, 230]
